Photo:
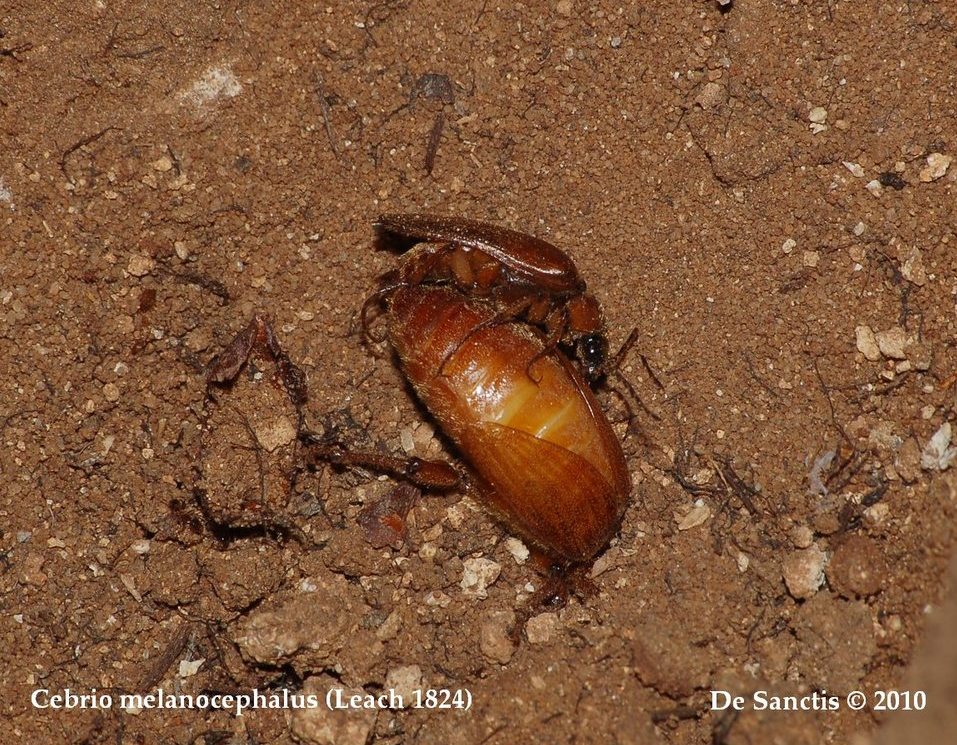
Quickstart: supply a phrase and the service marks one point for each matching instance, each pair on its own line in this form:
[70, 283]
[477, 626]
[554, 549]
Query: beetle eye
[592, 351]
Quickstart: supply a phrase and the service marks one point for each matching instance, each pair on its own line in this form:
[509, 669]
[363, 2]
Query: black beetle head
[592, 353]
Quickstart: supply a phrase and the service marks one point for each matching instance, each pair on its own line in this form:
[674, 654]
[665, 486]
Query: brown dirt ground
[170, 168]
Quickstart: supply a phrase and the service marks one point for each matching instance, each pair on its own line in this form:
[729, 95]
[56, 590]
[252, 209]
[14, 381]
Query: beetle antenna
[624, 349]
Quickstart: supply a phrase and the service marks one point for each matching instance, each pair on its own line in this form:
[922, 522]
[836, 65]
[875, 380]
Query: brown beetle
[542, 455]
[524, 276]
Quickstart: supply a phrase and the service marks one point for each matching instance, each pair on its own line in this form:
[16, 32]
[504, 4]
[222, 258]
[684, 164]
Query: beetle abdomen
[545, 456]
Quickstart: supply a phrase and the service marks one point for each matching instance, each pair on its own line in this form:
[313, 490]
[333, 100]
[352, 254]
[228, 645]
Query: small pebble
[802, 536]
[818, 115]
[854, 168]
[937, 165]
[276, 432]
[407, 440]
[892, 342]
[697, 516]
[711, 95]
[938, 454]
[405, 681]
[804, 572]
[320, 725]
[140, 546]
[517, 549]
[788, 245]
[876, 514]
[810, 258]
[478, 575]
[494, 637]
[438, 598]
[189, 668]
[140, 266]
[912, 266]
[857, 569]
[867, 343]
[163, 164]
[539, 629]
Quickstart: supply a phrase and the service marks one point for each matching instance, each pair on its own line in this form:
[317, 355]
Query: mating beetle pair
[481, 319]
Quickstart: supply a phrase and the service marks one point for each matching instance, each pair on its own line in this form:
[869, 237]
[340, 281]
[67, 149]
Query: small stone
[494, 636]
[742, 561]
[938, 454]
[111, 392]
[141, 546]
[438, 598]
[818, 128]
[711, 95]
[405, 681]
[927, 412]
[867, 343]
[539, 629]
[697, 516]
[874, 187]
[857, 569]
[407, 440]
[802, 536]
[859, 231]
[912, 266]
[564, 7]
[478, 575]
[323, 726]
[810, 258]
[162, 164]
[140, 266]
[937, 165]
[32, 570]
[818, 115]
[854, 168]
[276, 432]
[892, 342]
[788, 245]
[876, 514]
[517, 549]
[189, 668]
[919, 354]
[907, 461]
[804, 572]
[605, 562]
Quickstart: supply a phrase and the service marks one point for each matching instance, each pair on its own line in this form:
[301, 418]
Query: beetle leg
[560, 582]
[425, 261]
[615, 370]
[390, 285]
[434, 475]
[258, 336]
[556, 323]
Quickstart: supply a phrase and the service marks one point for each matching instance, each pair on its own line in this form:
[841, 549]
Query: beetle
[541, 454]
[523, 275]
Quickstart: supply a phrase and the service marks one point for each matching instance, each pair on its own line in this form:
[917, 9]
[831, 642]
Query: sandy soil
[765, 193]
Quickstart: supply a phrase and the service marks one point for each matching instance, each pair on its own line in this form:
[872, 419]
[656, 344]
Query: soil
[765, 193]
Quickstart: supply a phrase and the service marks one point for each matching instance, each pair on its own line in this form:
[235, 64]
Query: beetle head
[587, 335]
[592, 352]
